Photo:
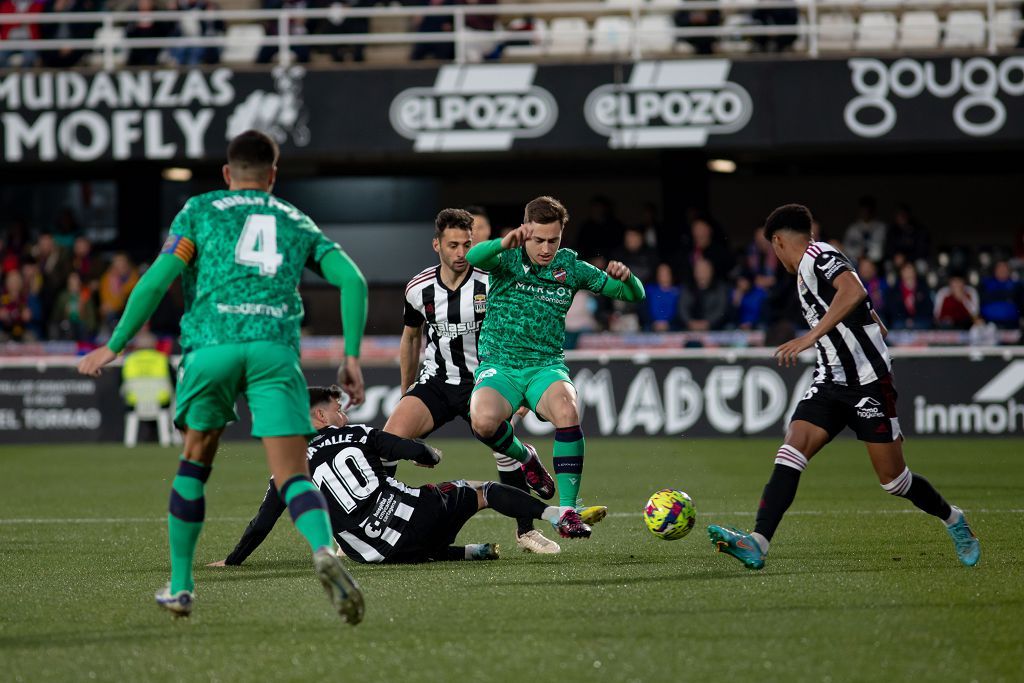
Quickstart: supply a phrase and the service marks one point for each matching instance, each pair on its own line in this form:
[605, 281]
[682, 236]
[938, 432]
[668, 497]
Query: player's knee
[565, 414]
[898, 484]
[485, 425]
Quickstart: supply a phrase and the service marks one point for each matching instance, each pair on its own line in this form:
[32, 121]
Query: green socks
[185, 521]
[568, 461]
[308, 510]
[505, 442]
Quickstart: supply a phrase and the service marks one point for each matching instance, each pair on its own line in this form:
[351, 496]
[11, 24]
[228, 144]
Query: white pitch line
[744, 513]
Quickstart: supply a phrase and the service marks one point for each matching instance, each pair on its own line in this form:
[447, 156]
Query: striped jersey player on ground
[853, 387]
[375, 517]
[522, 343]
[240, 253]
[449, 301]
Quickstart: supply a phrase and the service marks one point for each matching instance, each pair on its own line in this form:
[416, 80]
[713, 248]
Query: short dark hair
[318, 395]
[456, 219]
[476, 210]
[795, 217]
[546, 210]
[252, 153]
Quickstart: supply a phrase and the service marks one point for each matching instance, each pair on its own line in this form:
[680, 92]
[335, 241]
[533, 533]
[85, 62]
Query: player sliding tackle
[377, 518]
[240, 255]
[522, 347]
[852, 388]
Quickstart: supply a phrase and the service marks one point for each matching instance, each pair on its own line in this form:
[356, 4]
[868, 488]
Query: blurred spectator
[147, 27]
[297, 27]
[909, 305]
[602, 231]
[343, 24]
[15, 309]
[640, 258]
[1001, 298]
[14, 243]
[480, 24]
[662, 301]
[956, 305]
[20, 31]
[54, 264]
[67, 229]
[581, 317]
[701, 243]
[32, 280]
[434, 23]
[1018, 242]
[907, 236]
[195, 26]
[779, 16]
[760, 263]
[701, 18]
[63, 56]
[748, 301]
[651, 227]
[875, 284]
[74, 314]
[115, 286]
[705, 306]
[866, 235]
[84, 262]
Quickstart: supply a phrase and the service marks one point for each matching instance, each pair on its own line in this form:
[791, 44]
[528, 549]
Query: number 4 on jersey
[257, 245]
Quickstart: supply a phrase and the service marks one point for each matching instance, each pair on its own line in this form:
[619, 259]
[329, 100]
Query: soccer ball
[670, 514]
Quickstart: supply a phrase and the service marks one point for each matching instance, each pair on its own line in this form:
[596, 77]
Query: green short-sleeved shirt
[245, 251]
[526, 307]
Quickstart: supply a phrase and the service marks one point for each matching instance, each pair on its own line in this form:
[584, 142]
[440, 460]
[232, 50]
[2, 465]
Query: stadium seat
[671, 4]
[1006, 34]
[836, 31]
[241, 44]
[147, 408]
[624, 3]
[612, 35]
[110, 36]
[876, 31]
[569, 36]
[965, 28]
[656, 33]
[919, 29]
[538, 45]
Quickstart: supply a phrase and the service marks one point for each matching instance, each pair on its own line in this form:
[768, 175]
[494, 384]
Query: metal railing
[810, 29]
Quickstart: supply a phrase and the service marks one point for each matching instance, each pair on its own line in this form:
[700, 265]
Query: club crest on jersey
[429, 308]
[559, 274]
[479, 303]
[800, 284]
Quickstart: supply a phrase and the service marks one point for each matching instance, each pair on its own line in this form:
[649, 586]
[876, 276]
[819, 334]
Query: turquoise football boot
[968, 549]
[740, 545]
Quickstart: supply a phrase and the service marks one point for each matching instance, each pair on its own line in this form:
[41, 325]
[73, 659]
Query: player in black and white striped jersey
[447, 303]
[375, 517]
[852, 388]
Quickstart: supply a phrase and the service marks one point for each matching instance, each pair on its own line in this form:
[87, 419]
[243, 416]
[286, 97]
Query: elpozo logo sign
[978, 86]
[669, 104]
[146, 114]
[474, 108]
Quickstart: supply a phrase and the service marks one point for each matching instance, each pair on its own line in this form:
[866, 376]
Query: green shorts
[520, 387]
[268, 373]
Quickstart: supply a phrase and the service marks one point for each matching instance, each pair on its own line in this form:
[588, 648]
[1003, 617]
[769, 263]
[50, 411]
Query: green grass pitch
[858, 587]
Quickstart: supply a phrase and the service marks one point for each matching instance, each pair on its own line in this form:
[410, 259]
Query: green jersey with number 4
[243, 282]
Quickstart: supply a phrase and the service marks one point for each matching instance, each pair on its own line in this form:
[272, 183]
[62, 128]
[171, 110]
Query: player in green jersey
[522, 344]
[240, 254]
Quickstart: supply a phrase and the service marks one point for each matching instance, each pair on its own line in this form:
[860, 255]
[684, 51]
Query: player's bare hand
[94, 361]
[618, 271]
[219, 563]
[350, 377]
[517, 237]
[787, 353]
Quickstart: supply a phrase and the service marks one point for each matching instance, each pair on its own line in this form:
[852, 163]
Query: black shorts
[444, 401]
[869, 410]
[441, 512]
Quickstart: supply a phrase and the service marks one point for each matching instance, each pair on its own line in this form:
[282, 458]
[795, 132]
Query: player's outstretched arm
[259, 528]
[391, 447]
[622, 284]
[342, 272]
[143, 300]
[486, 255]
[850, 293]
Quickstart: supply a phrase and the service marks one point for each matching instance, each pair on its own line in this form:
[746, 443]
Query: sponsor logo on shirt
[451, 330]
[868, 407]
[830, 267]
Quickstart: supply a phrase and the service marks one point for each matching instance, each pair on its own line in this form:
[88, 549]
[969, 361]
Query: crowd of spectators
[56, 287]
[697, 281]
